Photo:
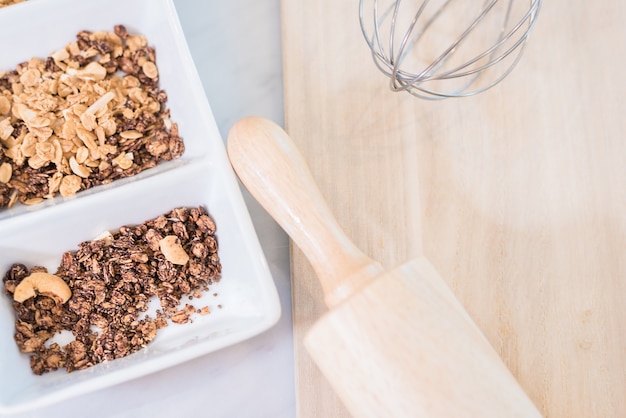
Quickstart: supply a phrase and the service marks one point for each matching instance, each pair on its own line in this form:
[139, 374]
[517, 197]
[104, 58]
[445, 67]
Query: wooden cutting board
[519, 193]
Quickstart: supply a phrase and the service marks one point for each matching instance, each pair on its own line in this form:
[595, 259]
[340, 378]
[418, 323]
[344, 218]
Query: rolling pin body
[393, 344]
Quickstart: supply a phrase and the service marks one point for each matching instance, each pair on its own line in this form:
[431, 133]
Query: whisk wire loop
[406, 44]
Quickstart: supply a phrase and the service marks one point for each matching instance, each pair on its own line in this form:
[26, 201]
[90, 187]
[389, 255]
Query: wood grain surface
[517, 196]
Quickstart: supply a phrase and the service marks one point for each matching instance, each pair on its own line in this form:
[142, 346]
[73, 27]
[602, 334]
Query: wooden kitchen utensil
[395, 343]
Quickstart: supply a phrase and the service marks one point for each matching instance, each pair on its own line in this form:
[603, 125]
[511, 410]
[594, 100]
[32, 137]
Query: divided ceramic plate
[38, 235]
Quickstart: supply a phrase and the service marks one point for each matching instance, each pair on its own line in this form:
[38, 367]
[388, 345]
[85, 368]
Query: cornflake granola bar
[101, 292]
[88, 114]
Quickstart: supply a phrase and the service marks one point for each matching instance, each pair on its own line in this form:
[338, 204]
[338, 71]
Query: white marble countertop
[236, 48]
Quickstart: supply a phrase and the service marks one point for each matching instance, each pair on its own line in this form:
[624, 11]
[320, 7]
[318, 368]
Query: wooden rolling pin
[393, 344]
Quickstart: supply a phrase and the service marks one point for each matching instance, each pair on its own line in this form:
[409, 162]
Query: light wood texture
[275, 173]
[393, 343]
[404, 347]
[522, 190]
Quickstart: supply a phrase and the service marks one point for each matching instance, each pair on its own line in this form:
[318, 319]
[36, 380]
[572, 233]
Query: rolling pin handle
[275, 173]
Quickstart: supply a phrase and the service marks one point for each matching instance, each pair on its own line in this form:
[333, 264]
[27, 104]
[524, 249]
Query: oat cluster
[90, 113]
[4, 3]
[112, 280]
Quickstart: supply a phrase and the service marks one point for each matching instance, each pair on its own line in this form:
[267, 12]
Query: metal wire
[435, 49]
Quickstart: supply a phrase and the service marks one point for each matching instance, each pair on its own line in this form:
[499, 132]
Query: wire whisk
[435, 49]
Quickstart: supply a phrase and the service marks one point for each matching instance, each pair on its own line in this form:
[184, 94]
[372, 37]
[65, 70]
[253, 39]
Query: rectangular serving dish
[38, 235]
[38, 28]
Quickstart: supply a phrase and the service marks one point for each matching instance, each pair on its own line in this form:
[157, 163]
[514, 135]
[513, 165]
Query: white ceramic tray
[38, 235]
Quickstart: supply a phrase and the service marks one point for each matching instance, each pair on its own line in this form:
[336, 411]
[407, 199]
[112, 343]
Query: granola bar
[88, 114]
[4, 3]
[112, 281]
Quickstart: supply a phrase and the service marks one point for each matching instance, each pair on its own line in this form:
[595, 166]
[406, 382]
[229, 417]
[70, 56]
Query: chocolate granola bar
[111, 281]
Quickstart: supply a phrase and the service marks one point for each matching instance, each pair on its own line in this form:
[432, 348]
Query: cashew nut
[105, 236]
[79, 170]
[43, 283]
[173, 251]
